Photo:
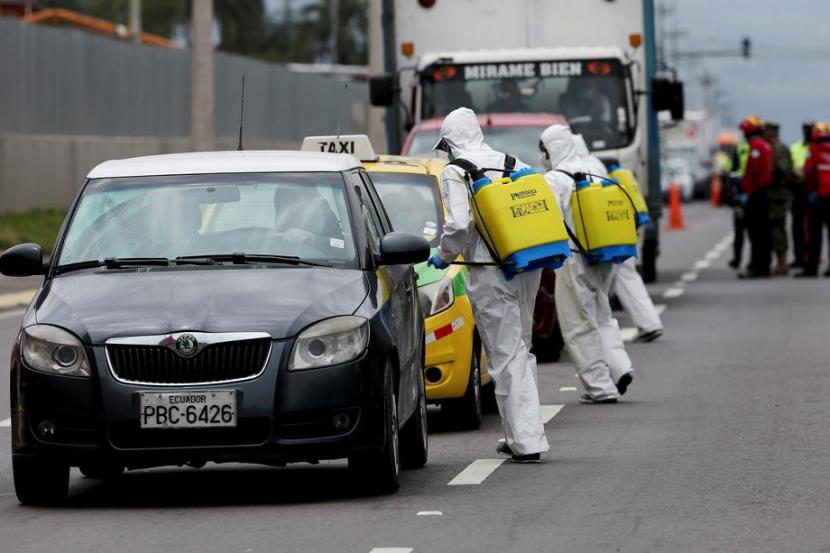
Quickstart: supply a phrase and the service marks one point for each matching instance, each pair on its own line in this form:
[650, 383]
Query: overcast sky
[788, 77]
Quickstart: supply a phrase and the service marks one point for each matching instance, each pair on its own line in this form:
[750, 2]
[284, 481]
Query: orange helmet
[752, 124]
[821, 131]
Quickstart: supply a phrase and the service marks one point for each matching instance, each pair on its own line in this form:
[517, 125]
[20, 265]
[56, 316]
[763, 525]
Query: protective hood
[581, 148]
[462, 132]
[559, 142]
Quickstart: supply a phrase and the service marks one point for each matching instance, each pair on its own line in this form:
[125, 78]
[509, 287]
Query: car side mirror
[382, 90]
[403, 248]
[22, 260]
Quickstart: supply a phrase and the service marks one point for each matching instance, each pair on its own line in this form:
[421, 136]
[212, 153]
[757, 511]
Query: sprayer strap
[470, 169]
[509, 165]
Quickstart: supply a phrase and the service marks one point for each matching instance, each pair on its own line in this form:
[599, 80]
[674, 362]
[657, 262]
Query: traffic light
[426, 3]
[746, 47]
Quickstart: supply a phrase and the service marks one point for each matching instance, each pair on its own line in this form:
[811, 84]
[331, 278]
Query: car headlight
[436, 297]
[330, 342]
[53, 350]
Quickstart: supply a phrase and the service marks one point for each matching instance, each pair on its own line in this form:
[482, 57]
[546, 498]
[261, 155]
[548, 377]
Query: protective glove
[743, 199]
[435, 261]
[812, 197]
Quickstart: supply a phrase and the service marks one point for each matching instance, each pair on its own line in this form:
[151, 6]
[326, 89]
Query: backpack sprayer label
[529, 208]
[617, 211]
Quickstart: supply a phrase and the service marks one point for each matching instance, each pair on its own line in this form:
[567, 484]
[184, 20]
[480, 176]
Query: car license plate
[191, 409]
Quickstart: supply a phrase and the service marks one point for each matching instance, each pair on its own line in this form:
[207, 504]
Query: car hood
[280, 301]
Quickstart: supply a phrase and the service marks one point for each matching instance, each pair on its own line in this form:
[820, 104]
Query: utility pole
[334, 11]
[376, 123]
[201, 75]
[135, 21]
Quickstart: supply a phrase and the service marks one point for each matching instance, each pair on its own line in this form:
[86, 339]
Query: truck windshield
[591, 94]
[287, 214]
[521, 142]
[412, 203]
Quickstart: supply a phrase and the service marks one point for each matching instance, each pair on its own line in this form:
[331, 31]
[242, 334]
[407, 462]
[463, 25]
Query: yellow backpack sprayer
[518, 217]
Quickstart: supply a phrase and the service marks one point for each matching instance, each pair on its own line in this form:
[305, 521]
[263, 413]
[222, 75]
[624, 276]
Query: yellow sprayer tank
[629, 183]
[520, 220]
[604, 220]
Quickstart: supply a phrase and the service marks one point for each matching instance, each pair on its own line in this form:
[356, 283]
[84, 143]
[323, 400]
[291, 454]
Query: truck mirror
[677, 105]
[668, 96]
[382, 90]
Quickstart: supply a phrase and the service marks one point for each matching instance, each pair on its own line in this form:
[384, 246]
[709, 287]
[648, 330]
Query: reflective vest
[743, 157]
[800, 152]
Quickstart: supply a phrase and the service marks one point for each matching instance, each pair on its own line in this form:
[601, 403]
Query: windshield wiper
[239, 258]
[113, 263]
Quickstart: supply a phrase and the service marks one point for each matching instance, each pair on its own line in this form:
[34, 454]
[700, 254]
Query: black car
[222, 307]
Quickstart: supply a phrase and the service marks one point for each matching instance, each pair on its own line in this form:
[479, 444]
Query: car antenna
[241, 114]
[340, 111]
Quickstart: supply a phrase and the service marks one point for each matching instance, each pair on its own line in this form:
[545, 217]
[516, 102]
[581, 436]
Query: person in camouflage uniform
[780, 196]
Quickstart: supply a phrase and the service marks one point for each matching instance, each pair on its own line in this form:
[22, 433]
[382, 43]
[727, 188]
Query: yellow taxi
[455, 372]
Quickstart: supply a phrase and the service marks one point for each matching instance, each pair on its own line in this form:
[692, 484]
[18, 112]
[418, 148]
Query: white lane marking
[12, 314]
[550, 411]
[660, 308]
[430, 514]
[713, 255]
[702, 264]
[691, 276]
[567, 389]
[476, 473]
[6, 423]
[392, 550]
[628, 333]
[16, 299]
[673, 293]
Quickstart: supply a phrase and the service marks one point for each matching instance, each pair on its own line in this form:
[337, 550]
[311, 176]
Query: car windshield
[412, 203]
[520, 142]
[286, 214]
[590, 94]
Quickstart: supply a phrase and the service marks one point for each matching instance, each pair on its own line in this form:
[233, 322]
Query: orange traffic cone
[675, 212]
[715, 190]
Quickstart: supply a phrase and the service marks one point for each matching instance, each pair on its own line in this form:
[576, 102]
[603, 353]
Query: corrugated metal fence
[69, 100]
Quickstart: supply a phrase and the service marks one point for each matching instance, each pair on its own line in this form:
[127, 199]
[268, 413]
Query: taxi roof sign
[357, 145]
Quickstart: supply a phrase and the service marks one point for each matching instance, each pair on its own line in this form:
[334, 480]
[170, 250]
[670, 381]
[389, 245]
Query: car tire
[549, 349]
[40, 481]
[379, 471]
[466, 412]
[414, 439]
[101, 471]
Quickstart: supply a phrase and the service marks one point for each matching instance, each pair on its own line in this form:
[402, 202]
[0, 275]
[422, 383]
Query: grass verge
[40, 227]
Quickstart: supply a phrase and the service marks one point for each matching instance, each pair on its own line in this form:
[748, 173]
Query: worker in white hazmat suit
[628, 285]
[592, 335]
[503, 310]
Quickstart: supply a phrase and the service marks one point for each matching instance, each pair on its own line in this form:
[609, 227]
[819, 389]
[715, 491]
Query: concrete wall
[69, 100]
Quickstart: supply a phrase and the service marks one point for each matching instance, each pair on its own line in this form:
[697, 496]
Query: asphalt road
[720, 445]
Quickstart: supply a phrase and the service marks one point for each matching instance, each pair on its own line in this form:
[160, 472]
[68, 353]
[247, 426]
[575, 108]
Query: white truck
[591, 61]
[693, 140]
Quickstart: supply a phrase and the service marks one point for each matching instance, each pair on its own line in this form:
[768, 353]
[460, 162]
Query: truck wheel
[39, 481]
[379, 471]
[650, 260]
[466, 411]
[414, 439]
[548, 350]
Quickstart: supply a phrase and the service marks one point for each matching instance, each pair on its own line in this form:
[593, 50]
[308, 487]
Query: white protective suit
[628, 285]
[590, 331]
[503, 309]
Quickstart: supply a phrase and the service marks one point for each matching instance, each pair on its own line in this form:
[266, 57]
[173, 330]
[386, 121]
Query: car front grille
[222, 362]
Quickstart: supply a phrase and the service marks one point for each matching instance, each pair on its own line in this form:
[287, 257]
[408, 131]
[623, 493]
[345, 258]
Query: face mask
[546, 162]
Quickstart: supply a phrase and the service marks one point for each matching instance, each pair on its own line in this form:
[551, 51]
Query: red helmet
[821, 131]
[752, 124]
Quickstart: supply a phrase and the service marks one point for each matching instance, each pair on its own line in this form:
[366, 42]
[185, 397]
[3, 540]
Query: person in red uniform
[755, 197]
[817, 187]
